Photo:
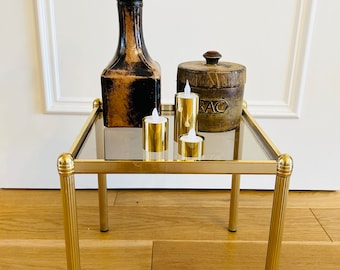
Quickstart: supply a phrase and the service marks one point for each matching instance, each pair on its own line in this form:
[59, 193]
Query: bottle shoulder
[142, 66]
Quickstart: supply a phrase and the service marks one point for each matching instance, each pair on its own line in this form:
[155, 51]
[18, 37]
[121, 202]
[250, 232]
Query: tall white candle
[186, 111]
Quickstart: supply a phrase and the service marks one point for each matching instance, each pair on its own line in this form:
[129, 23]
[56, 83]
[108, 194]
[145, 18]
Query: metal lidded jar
[220, 86]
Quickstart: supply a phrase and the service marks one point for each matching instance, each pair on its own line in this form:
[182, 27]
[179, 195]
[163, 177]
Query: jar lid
[212, 73]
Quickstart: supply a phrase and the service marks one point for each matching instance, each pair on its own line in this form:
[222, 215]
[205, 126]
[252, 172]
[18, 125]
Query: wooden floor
[161, 230]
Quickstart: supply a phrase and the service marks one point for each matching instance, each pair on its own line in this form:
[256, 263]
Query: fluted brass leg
[66, 174]
[103, 203]
[284, 171]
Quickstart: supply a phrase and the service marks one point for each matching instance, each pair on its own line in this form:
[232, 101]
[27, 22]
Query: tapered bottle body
[131, 83]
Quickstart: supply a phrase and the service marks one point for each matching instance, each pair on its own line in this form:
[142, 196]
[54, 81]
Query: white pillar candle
[155, 132]
[191, 145]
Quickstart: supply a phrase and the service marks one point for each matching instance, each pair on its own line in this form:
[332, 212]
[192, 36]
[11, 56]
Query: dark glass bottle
[131, 82]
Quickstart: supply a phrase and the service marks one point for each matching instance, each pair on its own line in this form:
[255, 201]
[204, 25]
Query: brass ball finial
[65, 164]
[285, 165]
[97, 103]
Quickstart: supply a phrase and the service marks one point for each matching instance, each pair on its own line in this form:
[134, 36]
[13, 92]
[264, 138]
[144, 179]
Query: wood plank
[216, 198]
[206, 198]
[29, 197]
[182, 198]
[314, 199]
[208, 255]
[198, 223]
[127, 255]
[311, 256]
[127, 223]
[41, 222]
[203, 198]
[198, 255]
[50, 254]
[36, 198]
[182, 217]
[20, 255]
[330, 221]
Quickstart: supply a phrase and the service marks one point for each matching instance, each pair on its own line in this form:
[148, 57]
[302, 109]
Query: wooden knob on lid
[212, 57]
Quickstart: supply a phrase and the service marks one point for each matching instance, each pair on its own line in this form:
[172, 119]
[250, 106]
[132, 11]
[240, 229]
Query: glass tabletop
[99, 142]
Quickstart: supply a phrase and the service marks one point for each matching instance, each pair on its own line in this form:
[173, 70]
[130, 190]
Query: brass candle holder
[191, 146]
[186, 111]
[155, 136]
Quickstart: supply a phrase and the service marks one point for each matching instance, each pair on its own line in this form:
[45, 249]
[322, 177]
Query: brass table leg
[235, 185]
[103, 203]
[102, 186]
[234, 198]
[284, 171]
[66, 174]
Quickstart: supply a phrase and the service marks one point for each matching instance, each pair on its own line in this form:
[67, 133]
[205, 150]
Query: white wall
[290, 49]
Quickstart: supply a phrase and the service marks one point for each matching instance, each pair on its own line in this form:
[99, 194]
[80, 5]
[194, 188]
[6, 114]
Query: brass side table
[246, 150]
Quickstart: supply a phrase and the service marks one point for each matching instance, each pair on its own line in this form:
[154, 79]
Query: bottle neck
[131, 40]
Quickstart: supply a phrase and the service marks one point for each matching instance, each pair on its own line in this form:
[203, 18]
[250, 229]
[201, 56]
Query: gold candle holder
[191, 146]
[158, 156]
[186, 111]
[155, 133]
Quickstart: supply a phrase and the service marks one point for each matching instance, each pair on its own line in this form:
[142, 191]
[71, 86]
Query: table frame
[280, 165]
